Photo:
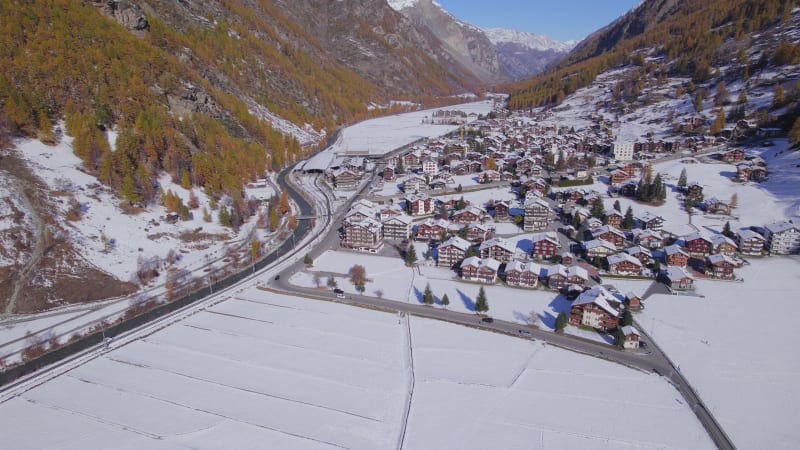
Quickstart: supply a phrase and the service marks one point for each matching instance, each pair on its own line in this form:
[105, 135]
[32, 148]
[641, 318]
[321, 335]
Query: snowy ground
[392, 280]
[268, 371]
[737, 346]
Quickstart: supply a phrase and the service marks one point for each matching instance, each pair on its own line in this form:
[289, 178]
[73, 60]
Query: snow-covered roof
[599, 296]
[500, 242]
[719, 239]
[781, 226]
[628, 330]
[457, 242]
[402, 218]
[545, 236]
[719, 258]
[578, 271]
[597, 243]
[677, 272]
[622, 257]
[747, 234]
[674, 248]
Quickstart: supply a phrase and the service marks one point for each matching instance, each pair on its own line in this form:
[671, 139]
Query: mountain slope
[526, 54]
[461, 44]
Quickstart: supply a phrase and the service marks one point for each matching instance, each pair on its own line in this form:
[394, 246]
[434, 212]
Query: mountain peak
[529, 40]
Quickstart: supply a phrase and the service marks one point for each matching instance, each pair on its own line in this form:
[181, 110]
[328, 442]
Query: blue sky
[560, 19]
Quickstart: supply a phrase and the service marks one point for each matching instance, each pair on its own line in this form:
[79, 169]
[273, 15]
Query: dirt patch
[199, 235]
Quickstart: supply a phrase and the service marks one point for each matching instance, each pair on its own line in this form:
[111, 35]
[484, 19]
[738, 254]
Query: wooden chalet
[432, 229]
[624, 264]
[723, 244]
[677, 278]
[452, 251]
[397, 227]
[501, 211]
[545, 245]
[610, 234]
[750, 242]
[364, 236]
[557, 277]
[676, 256]
[596, 308]
[631, 337]
[537, 215]
[720, 266]
[522, 274]
[698, 246]
[599, 248]
[483, 270]
[648, 238]
[497, 248]
[478, 232]
[467, 215]
[420, 204]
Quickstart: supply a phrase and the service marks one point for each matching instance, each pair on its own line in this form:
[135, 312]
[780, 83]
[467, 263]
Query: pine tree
[617, 206]
[308, 260]
[461, 203]
[627, 221]
[726, 230]
[411, 255]
[427, 296]
[619, 338]
[682, 179]
[400, 169]
[445, 300]
[598, 209]
[561, 322]
[481, 303]
[627, 318]
[224, 216]
[332, 282]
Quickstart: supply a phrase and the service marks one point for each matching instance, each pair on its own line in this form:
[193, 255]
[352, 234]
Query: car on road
[277, 277]
[487, 320]
[339, 293]
[525, 332]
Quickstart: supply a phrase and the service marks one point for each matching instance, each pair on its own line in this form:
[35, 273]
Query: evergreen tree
[332, 282]
[411, 255]
[224, 216]
[481, 303]
[308, 260]
[617, 206]
[461, 203]
[627, 318]
[561, 322]
[427, 296]
[598, 209]
[619, 338]
[459, 188]
[445, 300]
[726, 230]
[627, 221]
[682, 179]
[400, 169]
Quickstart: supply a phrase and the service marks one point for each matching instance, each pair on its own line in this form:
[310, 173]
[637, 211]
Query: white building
[623, 151]
[430, 167]
[783, 238]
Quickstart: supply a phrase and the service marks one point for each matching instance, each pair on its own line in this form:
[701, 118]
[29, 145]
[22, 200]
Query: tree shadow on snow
[548, 320]
[727, 174]
[560, 304]
[468, 302]
[419, 294]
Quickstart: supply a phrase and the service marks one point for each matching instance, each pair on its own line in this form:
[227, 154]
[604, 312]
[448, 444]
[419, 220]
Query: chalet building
[452, 204]
[750, 242]
[557, 277]
[478, 232]
[596, 308]
[413, 184]
[717, 206]
[720, 266]
[524, 165]
[437, 185]
[783, 238]
[733, 156]
[610, 234]
[497, 248]
[483, 270]
[467, 215]
[345, 179]
[698, 246]
[648, 238]
[432, 229]
[389, 174]
[360, 212]
[577, 276]
[613, 218]
[522, 274]
[489, 176]
[537, 214]
[747, 171]
[567, 258]
[624, 264]
[641, 253]
[694, 191]
[592, 224]
[631, 337]
[545, 245]
[420, 204]
[628, 188]
[633, 302]
[397, 227]
[452, 251]
[723, 244]
[677, 278]
[598, 248]
[501, 211]
[618, 176]
[649, 221]
[364, 236]
[676, 256]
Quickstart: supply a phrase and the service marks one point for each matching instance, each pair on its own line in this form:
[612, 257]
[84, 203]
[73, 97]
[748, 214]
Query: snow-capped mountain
[529, 40]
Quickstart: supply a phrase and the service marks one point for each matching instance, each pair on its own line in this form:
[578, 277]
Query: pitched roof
[599, 296]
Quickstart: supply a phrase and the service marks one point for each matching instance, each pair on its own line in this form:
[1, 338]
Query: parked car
[339, 293]
[487, 320]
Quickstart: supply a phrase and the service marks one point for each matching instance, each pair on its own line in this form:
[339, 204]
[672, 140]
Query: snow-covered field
[267, 371]
[738, 347]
